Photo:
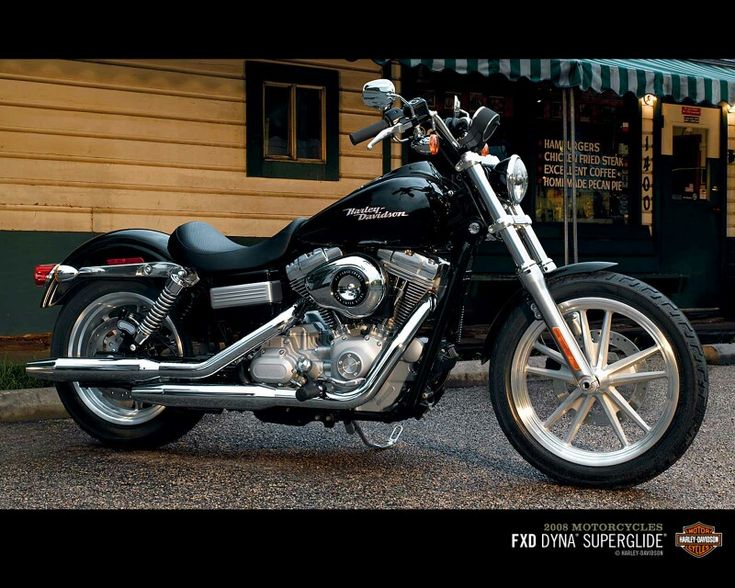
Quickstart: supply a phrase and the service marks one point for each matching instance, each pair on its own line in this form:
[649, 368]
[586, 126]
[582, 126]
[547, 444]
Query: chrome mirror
[379, 94]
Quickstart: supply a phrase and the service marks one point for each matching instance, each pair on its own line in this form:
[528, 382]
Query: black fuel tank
[406, 207]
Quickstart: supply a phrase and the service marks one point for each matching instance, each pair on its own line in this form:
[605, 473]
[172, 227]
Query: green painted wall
[19, 296]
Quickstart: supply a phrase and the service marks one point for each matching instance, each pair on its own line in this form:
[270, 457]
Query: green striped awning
[680, 79]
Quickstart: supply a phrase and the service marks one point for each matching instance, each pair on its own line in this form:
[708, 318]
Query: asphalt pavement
[456, 457]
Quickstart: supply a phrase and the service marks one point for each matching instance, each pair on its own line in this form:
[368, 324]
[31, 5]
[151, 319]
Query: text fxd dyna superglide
[355, 315]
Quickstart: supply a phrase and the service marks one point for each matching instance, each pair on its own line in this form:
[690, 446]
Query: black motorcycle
[355, 315]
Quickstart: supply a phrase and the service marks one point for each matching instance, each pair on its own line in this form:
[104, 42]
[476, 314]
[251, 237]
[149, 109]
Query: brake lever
[396, 129]
[382, 135]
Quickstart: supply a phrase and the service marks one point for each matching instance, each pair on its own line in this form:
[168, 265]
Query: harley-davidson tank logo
[699, 539]
[374, 213]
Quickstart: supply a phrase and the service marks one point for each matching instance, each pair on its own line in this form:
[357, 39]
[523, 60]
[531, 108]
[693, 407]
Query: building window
[292, 121]
[603, 144]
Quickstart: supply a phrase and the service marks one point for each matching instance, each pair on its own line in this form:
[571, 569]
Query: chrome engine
[338, 341]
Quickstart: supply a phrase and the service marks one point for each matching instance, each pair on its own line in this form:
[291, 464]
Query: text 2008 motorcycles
[354, 315]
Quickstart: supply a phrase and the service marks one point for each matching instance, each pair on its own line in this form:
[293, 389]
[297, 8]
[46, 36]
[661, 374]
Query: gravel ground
[457, 457]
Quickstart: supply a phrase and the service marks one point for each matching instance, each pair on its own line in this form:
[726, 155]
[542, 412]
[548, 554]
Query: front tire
[87, 325]
[653, 391]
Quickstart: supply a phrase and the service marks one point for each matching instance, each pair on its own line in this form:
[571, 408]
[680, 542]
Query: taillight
[124, 260]
[40, 274]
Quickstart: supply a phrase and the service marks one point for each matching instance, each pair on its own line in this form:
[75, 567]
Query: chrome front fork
[514, 228]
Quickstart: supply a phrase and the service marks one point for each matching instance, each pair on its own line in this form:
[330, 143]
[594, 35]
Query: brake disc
[620, 347]
[109, 341]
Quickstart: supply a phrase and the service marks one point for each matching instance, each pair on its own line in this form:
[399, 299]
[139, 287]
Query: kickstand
[352, 427]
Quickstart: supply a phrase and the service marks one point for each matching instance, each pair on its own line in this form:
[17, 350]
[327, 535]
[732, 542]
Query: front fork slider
[353, 427]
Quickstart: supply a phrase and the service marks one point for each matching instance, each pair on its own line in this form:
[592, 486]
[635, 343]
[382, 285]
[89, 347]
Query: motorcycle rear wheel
[87, 326]
[653, 391]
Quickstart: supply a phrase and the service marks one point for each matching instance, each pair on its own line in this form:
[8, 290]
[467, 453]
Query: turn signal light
[485, 150]
[41, 272]
[434, 144]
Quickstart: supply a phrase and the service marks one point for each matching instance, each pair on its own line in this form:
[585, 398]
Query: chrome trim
[176, 283]
[254, 397]
[319, 283]
[50, 292]
[156, 269]
[300, 267]
[73, 369]
[246, 294]
[513, 178]
[529, 271]
[383, 366]
[508, 220]
[414, 268]
[534, 245]
[442, 128]
[378, 94]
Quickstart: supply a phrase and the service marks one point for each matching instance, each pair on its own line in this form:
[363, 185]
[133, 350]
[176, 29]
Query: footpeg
[352, 427]
[308, 391]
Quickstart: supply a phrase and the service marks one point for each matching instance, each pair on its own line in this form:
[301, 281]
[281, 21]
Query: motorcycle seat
[201, 246]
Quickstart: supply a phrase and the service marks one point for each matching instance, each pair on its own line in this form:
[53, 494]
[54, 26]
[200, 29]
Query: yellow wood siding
[731, 177]
[107, 144]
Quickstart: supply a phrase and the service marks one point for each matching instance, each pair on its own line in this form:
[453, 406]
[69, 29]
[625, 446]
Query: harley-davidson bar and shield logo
[698, 539]
[373, 213]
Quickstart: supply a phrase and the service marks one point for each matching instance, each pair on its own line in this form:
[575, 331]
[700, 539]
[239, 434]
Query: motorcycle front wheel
[653, 383]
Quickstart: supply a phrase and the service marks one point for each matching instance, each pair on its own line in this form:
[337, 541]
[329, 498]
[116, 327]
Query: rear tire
[539, 424]
[88, 317]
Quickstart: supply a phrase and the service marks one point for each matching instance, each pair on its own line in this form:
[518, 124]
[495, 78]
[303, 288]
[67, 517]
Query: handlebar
[399, 120]
[368, 132]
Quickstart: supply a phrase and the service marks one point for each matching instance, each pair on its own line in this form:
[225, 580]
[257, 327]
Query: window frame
[260, 74]
[293, 123]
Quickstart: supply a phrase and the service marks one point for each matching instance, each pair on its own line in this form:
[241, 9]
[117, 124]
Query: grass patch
[13, 377]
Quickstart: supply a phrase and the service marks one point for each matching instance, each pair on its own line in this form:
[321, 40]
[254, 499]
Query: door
[689, 209]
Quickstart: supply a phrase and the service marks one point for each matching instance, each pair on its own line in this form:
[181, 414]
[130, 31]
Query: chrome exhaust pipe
[132, 371]
[258, 396]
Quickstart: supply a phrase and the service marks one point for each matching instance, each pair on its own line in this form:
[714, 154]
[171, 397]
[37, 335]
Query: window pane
[689, 172]
[308, 123]
[603, 141]
[276, 106]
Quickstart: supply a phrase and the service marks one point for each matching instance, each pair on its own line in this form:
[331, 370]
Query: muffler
[136, 371]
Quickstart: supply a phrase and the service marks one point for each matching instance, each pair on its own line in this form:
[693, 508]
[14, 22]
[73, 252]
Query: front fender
[145, 243]
[517, 297]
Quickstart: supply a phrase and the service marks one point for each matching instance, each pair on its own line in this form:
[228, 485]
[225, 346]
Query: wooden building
[92, 146]
[88, 147]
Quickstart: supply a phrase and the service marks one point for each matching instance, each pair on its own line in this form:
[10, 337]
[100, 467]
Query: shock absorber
[176, 283]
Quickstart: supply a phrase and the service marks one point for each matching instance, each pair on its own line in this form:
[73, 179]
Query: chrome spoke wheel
[634, 404]
[95, 333]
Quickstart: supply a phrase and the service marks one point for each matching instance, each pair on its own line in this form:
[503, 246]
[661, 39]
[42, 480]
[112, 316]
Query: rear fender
[145, 243]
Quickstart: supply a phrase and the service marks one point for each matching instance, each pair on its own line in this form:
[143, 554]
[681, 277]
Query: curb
[43, 403]
[720, 354]
[467, 374]
[30, 404]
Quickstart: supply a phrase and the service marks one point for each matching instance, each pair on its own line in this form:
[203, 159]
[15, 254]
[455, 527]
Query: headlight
[516, 179]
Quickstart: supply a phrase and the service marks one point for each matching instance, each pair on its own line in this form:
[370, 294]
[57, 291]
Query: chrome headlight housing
[516, 179]
[509, 179]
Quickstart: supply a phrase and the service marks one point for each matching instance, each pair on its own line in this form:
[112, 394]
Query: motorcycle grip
[368, 132]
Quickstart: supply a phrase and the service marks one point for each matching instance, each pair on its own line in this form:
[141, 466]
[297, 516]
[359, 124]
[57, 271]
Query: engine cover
[353, 286]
